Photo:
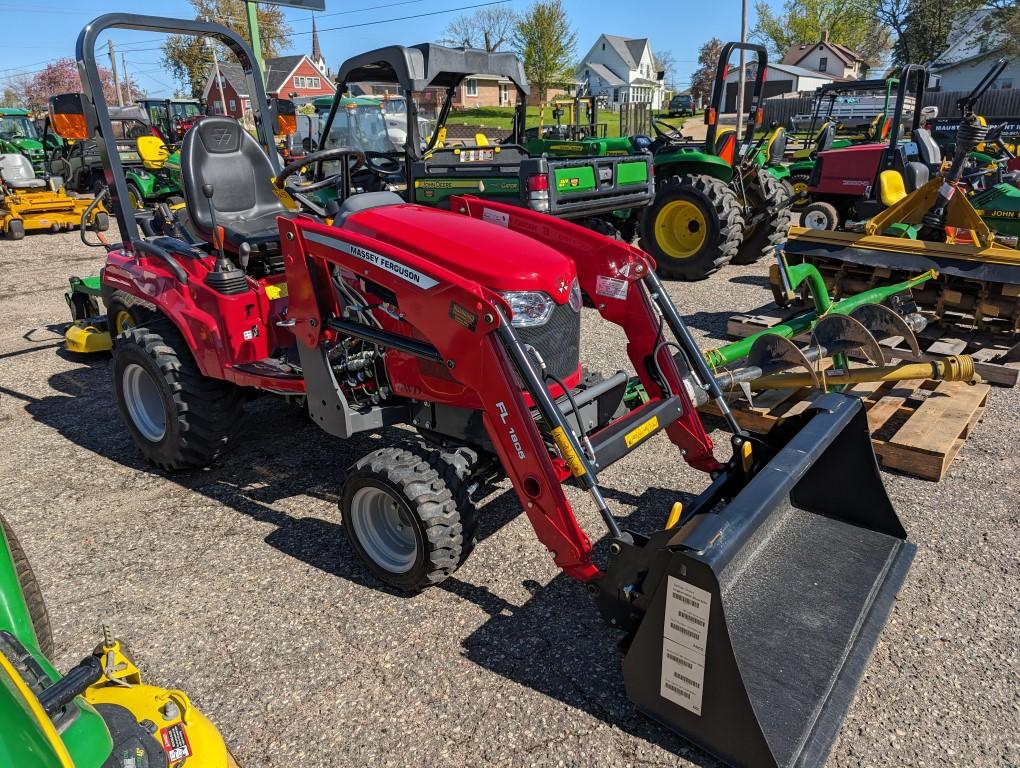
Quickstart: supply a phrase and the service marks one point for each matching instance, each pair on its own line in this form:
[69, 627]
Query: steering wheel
[382, 164]
[353, 159]
[668, 132]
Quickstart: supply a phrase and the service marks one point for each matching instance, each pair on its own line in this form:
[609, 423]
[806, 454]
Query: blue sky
[38, 32]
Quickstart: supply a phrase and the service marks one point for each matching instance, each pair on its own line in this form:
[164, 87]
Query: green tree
[189, 58]
[849, 23]
[923, 27]
[487, 28]
[704, 76]
[542, 37]
[10, 98]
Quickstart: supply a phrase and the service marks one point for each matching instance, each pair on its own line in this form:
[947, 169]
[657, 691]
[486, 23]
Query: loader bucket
[765, 613]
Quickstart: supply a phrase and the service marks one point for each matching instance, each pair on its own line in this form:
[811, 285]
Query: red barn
[286, 77]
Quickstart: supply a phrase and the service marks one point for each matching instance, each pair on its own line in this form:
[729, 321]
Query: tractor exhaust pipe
[750, 626]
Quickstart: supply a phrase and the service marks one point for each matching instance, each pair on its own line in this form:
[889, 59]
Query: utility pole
[127, 80]
[113, 66]
[741, 77]
[216, 74]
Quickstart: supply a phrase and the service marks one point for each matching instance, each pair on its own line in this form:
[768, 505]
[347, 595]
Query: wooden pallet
[994, 361]
[917, 427]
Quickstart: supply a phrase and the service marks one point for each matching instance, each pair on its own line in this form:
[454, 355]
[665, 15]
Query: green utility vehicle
[149, 180]
[713, 203]
[583, 187]
[19, 136]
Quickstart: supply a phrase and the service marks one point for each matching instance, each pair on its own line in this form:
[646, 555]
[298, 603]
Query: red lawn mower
[749, 617]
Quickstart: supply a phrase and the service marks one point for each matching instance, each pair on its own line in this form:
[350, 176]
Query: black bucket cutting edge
[766, 613]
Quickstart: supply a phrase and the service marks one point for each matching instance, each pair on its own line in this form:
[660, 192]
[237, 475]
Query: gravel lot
[237, 584]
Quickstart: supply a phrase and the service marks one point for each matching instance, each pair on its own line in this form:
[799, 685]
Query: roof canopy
[417, 67]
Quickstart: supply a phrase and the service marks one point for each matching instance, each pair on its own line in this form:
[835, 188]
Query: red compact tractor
[749, 616]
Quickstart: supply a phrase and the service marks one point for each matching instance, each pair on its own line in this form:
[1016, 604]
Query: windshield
[185, 109]
[363, 127]
[17, 127]
[394, 107]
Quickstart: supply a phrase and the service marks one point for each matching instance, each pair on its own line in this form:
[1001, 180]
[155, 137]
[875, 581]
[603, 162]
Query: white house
[622, 70]
[779, 79]
[974, 45]
[828, 58]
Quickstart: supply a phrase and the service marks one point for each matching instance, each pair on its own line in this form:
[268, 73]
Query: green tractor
[714, 204]
[19, 136]
[99, 714]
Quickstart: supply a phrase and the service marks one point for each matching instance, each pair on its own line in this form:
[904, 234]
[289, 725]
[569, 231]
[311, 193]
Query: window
[233, 105]
[616, 94]
[823, 64]
[504, 94]
[313, 82]
[217, 108]
[472, 87]
[1006, 82]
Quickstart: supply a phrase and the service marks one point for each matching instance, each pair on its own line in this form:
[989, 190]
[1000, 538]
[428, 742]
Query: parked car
[680, 106]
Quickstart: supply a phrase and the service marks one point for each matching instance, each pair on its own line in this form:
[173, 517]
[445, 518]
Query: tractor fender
[692, 163]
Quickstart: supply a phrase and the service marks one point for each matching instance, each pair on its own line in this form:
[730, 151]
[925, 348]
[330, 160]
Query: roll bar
[98, 116]
[719, 91]
[919, 75]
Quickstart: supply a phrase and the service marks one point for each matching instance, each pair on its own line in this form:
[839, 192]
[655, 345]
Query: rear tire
[178, 418]
[15, 230]
[135, 197]
[693, 228]
[820, 216]
[799, 182]
[30, 591]
[769, 193]
[125, 311]
[407, 514]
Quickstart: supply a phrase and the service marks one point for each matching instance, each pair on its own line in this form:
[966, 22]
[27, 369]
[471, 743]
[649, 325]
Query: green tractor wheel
[30, 591]
[799, 182]
[693, 228]
[767, 195]
[135, 196]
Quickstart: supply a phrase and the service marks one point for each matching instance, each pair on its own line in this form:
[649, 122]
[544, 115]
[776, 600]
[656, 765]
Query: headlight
[530, 308]
[575, 299]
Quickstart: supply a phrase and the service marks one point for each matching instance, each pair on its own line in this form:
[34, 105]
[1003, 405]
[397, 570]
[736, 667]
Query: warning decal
[612, 287]
[496, 217]
[175, 743]
[684, 640]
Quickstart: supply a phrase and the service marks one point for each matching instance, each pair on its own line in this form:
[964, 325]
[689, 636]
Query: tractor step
[917, 427]
[996, 360]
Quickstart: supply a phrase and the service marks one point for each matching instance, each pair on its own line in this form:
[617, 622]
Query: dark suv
[679, 106]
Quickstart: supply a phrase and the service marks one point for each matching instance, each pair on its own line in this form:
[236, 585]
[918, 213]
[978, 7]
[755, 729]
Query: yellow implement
[29, 204]
[951, 368]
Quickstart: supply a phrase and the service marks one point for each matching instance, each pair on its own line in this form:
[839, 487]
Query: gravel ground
[237, 585]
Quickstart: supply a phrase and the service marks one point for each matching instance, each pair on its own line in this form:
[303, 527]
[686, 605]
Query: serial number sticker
[496, 217]
[611, 287]
[463, 315]
[175, 742]
[684, 643]
[277, 291]
[640, 432]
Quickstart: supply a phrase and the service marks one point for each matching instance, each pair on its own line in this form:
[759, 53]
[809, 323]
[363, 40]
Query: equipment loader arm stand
[464, 362]
[612, 274]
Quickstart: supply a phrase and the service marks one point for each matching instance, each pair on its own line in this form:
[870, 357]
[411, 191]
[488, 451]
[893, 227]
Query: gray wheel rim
[816, 220]
[383, 530]
[144, 402]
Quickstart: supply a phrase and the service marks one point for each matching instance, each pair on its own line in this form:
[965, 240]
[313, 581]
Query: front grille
[558, 341]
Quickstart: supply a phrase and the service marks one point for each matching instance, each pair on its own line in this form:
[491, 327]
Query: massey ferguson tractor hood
[494, 257]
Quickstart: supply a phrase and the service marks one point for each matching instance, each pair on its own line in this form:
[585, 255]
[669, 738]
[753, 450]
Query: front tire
[101, 222]
[693, 228]
[800, 182]
[820, 216]
[407, 514]
[768, 194]
[15, 229]
[178, 418]
[30, 591]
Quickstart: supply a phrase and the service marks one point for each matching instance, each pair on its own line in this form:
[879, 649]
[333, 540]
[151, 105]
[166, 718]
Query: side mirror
[67, 116]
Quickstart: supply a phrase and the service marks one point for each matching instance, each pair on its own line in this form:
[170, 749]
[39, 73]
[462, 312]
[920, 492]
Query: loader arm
[611, 274]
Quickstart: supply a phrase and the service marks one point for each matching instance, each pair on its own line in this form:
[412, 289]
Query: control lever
[224, 277]
[221, 262]
[244, 255]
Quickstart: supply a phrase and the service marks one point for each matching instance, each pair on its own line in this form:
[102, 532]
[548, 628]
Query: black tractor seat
[219, 152]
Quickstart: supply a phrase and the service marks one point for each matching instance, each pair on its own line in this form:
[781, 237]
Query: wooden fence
[635, 119]
[1004, 102]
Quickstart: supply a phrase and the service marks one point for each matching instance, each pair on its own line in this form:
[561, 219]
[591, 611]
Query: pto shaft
[951, 368]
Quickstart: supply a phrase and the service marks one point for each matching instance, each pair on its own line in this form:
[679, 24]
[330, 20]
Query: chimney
[825, 35]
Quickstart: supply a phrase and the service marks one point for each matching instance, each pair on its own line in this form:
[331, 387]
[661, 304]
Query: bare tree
[665, 62]
[487, 28]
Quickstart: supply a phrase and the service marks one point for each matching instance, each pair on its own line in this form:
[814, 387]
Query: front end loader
[748, 617]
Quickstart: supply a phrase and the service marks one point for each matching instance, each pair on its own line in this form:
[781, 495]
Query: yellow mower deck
[39, 209]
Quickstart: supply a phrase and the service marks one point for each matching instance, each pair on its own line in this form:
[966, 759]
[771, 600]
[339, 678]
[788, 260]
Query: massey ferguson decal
[376, 259]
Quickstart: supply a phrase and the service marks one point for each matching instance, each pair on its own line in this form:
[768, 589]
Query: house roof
[606, 74]
[791, 70]
[629, 48]
[799, 52]
[278, 71]
[974, 37]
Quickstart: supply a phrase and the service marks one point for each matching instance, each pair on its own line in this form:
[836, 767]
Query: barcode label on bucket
[684, 640]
